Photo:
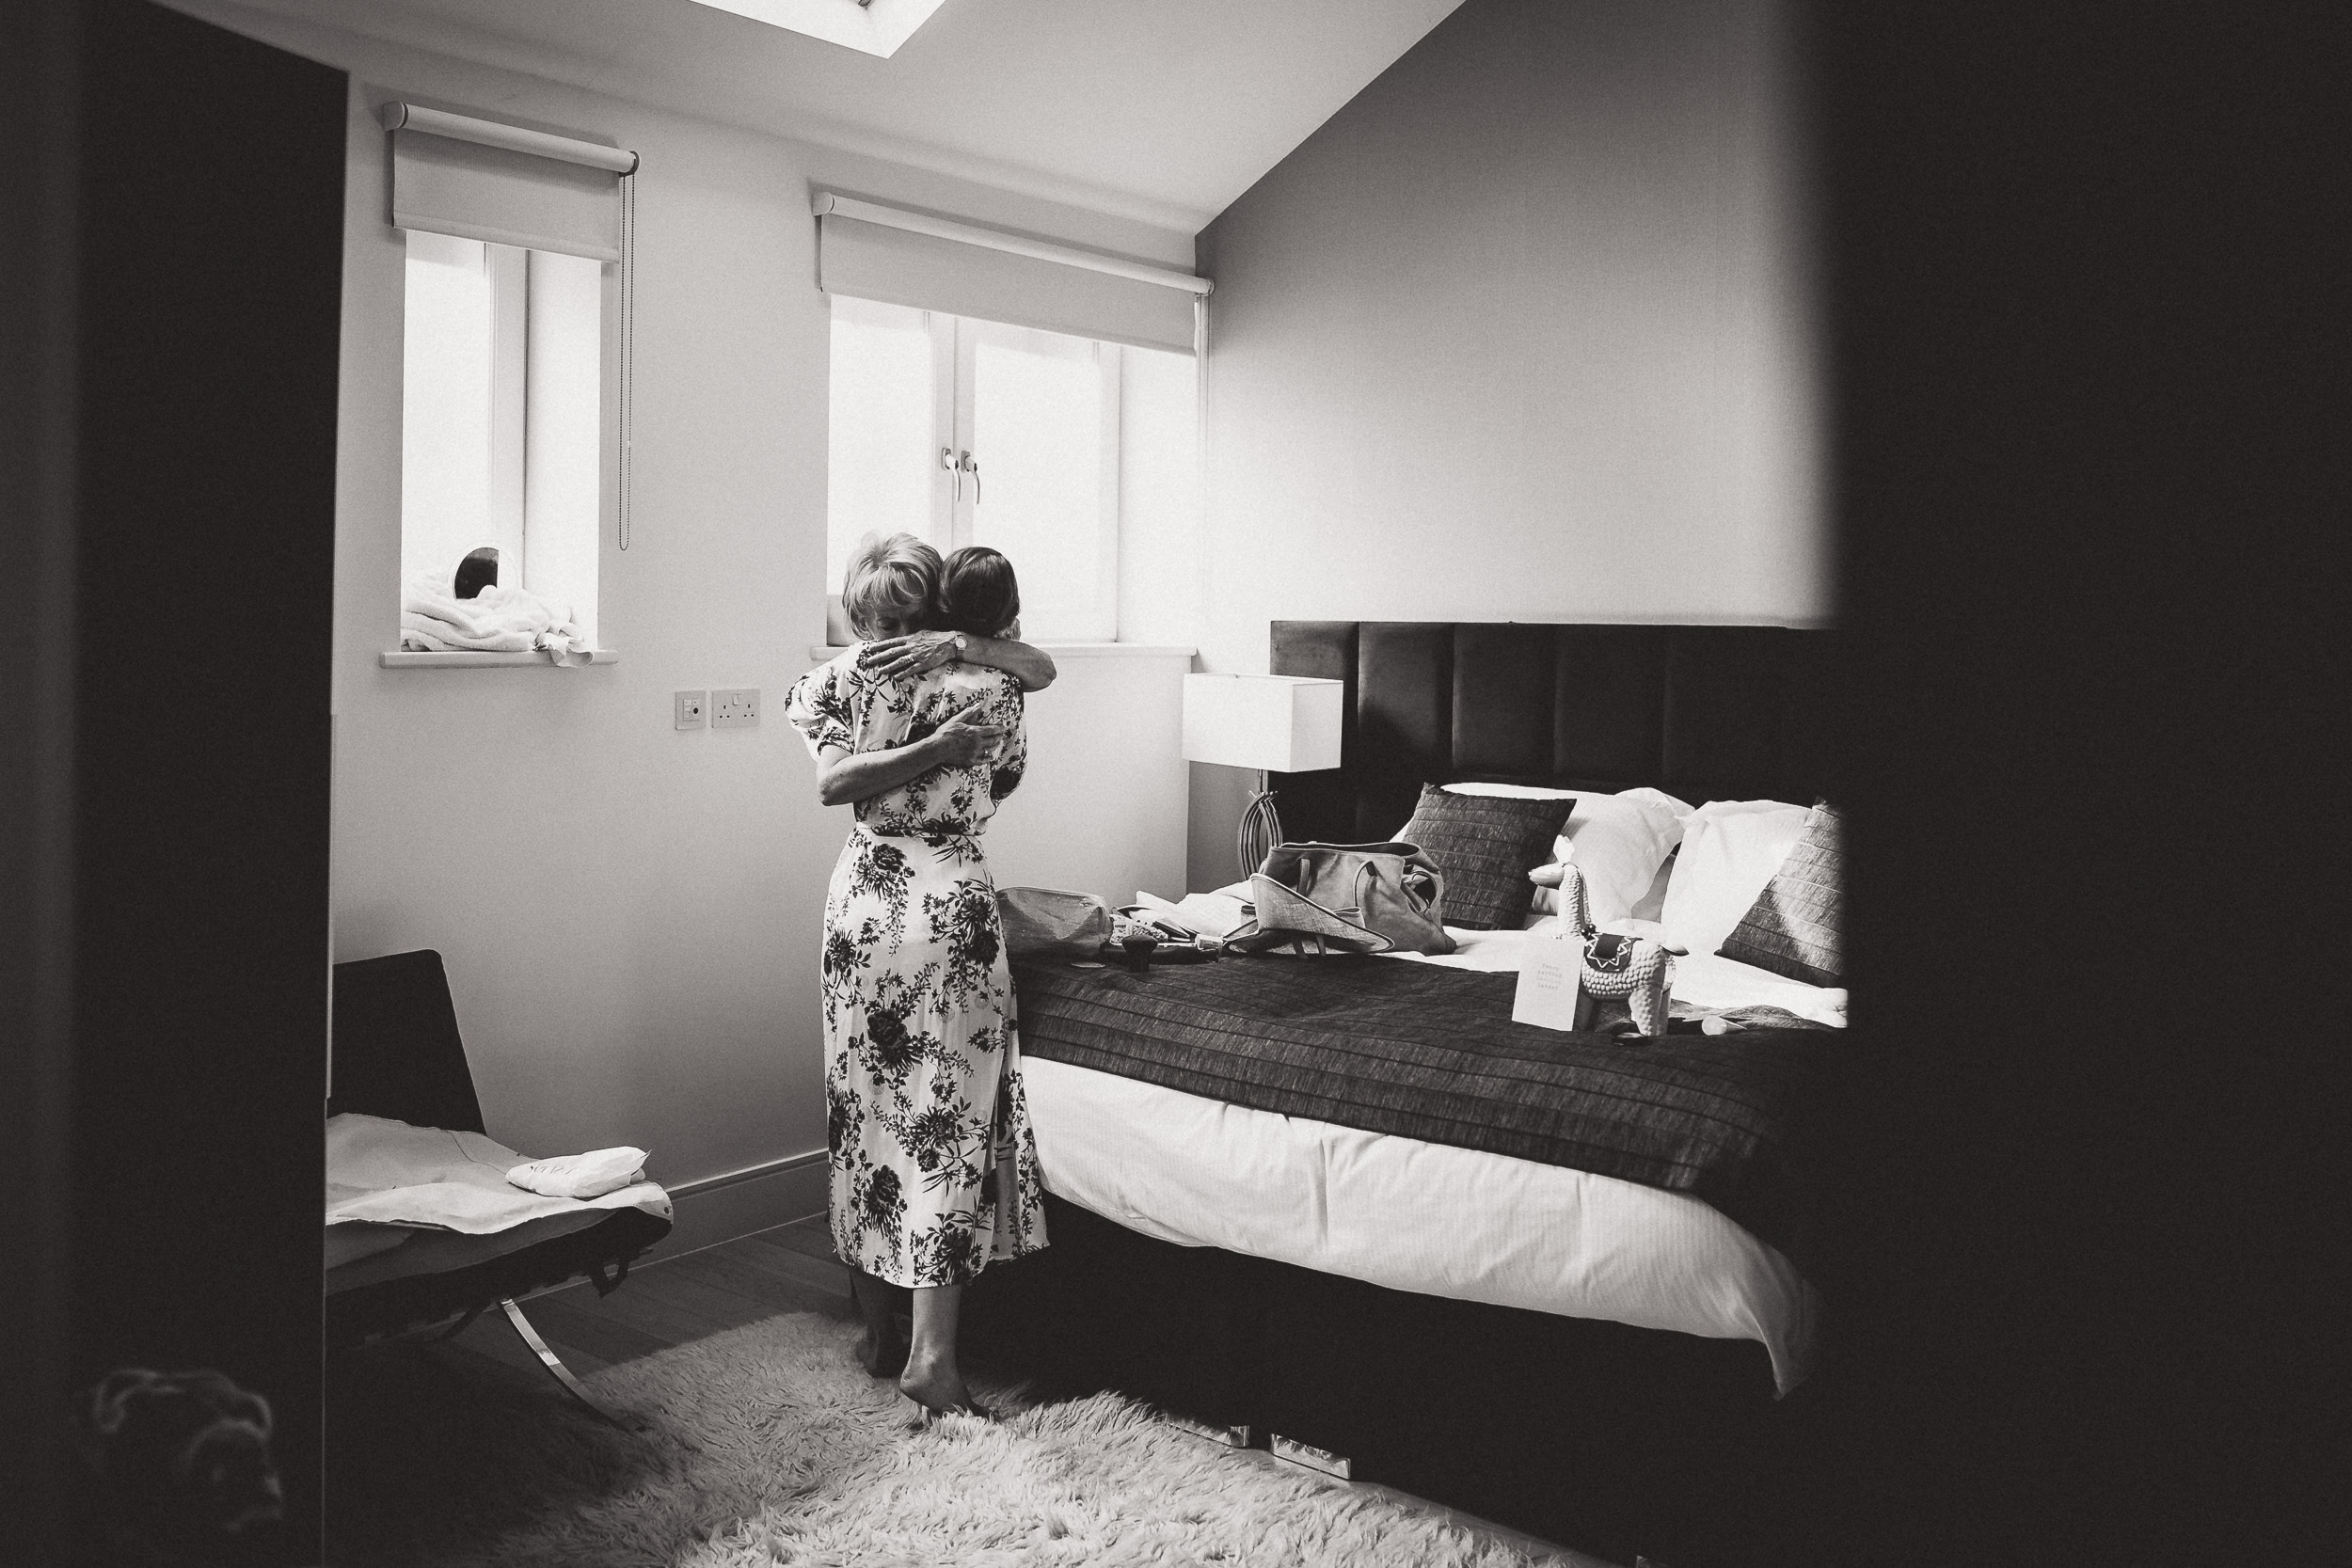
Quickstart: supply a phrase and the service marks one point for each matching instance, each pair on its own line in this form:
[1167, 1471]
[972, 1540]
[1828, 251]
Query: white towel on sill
[497, 620]
[582, 1176]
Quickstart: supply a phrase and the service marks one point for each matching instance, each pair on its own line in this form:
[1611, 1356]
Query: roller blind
[484, 180]
[1054, 290]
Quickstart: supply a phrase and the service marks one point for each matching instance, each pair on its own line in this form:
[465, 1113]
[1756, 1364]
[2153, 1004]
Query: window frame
[508, 511]
[955, 499]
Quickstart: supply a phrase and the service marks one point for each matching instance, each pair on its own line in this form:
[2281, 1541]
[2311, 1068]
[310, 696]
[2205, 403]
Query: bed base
[1612, 1440]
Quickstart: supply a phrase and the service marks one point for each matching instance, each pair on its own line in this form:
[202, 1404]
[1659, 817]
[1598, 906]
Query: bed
[1276, 1211]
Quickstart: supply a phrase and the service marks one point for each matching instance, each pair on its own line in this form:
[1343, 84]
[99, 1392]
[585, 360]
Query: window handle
[972, 467]
[947, 461]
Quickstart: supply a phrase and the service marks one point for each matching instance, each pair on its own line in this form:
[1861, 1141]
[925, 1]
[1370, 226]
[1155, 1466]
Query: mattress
[1413, 1216]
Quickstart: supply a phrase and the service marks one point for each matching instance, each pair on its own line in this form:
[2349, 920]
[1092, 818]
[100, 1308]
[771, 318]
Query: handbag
[1354, 897]
[1052, 923]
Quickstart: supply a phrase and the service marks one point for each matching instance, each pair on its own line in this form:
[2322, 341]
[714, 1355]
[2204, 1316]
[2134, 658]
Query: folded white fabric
[497, 620]
[591, 1175]
[391, 1173]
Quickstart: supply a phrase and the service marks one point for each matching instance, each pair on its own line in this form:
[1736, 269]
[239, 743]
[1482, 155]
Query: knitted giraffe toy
[1639, 969]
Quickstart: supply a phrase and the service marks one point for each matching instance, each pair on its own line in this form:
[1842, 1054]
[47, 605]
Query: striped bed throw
[1429, 1051]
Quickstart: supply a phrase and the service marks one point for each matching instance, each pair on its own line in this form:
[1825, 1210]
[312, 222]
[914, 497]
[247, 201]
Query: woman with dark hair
[932, 1168]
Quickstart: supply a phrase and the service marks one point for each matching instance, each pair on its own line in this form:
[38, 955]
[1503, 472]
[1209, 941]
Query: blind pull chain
[628, 344]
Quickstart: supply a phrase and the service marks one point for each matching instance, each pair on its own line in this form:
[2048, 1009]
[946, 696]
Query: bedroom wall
[629, 913]
[1521, 333]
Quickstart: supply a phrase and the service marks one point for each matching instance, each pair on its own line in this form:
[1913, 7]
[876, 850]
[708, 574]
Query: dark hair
[978, 592]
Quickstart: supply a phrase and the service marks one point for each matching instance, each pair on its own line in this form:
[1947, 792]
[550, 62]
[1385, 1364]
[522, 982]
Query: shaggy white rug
[771, 1448]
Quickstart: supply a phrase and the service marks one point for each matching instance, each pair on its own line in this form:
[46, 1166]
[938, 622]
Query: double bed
[1566, 1281]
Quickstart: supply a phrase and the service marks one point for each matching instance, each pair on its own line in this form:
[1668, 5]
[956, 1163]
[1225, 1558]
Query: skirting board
[721, 1207]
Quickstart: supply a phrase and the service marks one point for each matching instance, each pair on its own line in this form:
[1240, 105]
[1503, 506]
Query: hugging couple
[933, 1170]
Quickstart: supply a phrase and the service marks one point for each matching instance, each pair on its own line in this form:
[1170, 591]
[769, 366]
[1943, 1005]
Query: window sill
[408, 659]
[821, 652]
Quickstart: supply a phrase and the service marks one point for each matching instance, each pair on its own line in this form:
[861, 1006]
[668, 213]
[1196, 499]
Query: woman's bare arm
[1032, 666]
[844, 775]
[891, 657]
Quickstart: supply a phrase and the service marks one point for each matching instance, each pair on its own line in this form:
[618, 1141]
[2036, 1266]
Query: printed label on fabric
[1550, 995]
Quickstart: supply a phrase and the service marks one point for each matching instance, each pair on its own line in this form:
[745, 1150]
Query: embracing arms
[912, 655]
[844, 775]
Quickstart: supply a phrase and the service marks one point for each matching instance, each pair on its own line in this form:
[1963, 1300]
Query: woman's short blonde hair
[897, 576]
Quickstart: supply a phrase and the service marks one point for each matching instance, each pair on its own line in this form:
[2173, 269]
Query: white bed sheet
[1412, 1215]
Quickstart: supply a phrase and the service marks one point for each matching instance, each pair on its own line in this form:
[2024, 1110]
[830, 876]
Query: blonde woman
[933, 1170]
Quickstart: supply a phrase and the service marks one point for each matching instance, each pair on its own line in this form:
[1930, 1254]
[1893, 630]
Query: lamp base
[1261, 831]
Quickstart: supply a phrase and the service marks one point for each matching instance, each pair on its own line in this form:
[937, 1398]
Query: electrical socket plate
[693, 708]
[735, 707]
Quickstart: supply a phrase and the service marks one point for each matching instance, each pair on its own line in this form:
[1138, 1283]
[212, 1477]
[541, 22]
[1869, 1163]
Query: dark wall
[38, 58]
[209, 286]
[2075, 260]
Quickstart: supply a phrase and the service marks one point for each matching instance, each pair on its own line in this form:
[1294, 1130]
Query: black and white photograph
[1276, 784]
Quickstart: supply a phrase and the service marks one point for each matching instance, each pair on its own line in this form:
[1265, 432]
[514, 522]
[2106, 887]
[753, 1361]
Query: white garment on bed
[394, 1173]
[1702, 979]
[1411, 1215]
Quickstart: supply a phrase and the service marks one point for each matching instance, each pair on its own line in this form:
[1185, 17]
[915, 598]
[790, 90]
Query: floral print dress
[934, 1166]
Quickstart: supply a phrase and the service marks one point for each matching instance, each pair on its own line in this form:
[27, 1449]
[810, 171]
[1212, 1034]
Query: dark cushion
[1486, 845]
[396, 1051]
[1795, 926]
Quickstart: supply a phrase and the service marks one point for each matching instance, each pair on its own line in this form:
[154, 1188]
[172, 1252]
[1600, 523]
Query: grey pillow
[1796, 926]
[1486, 845]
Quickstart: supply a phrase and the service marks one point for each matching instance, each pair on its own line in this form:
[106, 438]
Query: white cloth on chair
[429, 1176]
[582, 1176]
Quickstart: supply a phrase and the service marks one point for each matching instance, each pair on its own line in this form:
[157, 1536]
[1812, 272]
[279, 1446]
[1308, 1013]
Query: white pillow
[1510, 791]
[1618, 842]
[1653, 903]
[1730, 850]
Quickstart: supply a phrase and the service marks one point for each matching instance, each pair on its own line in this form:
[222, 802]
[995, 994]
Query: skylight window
[877, 27]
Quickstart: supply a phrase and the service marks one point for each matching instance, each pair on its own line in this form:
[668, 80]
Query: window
[1053, 449]
[503, 416]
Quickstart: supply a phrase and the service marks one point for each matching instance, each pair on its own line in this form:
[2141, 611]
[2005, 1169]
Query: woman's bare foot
[935, 1385]
[882, 1350]
[882, 1355]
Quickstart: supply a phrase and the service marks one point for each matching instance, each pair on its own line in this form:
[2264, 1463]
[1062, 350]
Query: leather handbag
[1354, 897]
[1052, 923]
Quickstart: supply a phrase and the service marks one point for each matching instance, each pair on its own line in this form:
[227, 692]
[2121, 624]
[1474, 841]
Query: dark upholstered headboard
[1701, 712]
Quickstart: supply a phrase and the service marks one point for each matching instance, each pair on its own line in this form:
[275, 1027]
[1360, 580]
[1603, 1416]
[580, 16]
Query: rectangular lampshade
[1280, 723]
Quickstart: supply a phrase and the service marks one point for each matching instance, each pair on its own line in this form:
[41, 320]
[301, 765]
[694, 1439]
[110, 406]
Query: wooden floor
[791, 1268]
[678, 1300]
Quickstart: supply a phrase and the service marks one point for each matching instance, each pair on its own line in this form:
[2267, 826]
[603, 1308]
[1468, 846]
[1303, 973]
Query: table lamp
[1274, 723]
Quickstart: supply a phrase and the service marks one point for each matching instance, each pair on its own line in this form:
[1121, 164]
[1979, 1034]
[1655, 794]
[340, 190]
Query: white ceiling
[1159, 110]
[877, 26]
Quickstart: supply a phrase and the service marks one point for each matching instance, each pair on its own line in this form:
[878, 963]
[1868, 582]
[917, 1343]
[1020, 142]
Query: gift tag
[1550, 995]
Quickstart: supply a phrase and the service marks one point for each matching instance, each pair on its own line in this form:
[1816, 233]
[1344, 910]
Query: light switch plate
[735, 707]
[693, 708]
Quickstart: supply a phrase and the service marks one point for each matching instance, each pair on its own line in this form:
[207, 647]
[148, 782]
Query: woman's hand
[966, 738]
[890, 658]
[844, 776]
